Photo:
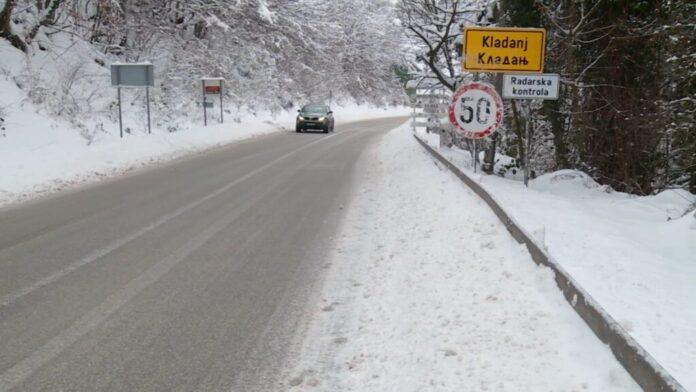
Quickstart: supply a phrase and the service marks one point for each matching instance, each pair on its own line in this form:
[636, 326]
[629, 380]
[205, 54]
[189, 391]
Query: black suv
[315, 117]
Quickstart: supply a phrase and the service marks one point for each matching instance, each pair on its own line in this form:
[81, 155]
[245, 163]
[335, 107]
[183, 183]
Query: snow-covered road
[428, 292]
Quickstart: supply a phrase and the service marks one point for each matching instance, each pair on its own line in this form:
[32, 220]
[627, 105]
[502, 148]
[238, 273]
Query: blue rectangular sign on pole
[132, 75]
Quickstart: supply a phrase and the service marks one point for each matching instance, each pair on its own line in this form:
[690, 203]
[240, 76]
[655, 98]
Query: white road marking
[16, 295]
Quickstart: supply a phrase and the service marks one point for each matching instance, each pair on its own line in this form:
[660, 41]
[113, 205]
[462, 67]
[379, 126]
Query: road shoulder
[427, 290]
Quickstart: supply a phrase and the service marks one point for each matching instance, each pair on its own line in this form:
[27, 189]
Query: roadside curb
[644, 369]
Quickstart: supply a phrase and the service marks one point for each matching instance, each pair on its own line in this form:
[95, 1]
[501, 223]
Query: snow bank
[635, 255]
[42, 155]
[428, 291]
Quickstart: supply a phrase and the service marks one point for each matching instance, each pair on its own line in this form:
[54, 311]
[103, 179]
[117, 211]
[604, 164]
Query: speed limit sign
[476, 110]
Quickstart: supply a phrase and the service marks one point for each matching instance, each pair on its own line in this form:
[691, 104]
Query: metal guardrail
[642, 367]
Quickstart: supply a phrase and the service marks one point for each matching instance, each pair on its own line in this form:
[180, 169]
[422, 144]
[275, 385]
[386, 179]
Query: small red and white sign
[212, 86]
[476, 110]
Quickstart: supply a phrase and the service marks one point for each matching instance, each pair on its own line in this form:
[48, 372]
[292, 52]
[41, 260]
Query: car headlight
[322, 118]
[300, 118]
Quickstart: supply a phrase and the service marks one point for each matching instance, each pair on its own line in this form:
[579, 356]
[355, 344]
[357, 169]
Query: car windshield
[315, 109]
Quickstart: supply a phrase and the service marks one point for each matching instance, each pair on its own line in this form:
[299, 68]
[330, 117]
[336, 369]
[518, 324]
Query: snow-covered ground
[428, 292]
[635, 255]
[43, 154]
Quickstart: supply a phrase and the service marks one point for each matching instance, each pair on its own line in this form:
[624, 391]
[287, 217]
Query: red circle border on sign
[487, 88]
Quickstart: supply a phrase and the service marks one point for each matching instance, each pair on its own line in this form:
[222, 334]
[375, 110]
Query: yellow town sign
[500, 49]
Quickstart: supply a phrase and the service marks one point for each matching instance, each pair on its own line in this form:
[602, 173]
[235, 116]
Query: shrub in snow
[507, 165]
[90, 134]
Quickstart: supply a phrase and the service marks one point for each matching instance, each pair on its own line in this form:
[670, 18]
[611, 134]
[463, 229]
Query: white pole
[147, 95]
[205, 112]
[527, 126]
[120, 116]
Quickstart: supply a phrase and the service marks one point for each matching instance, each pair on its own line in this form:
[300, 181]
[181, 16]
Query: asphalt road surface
[189, 277]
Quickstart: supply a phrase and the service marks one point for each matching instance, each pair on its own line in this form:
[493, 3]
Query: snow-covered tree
[275, 54]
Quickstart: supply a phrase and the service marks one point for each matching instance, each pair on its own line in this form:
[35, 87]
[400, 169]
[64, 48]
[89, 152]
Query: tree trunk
[6, 27]
[489, 157]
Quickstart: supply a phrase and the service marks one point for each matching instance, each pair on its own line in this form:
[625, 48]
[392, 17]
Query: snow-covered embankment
[635, 255]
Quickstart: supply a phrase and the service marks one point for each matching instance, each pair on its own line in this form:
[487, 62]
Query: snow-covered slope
[635, 255]
[51, 141]
[427, 291]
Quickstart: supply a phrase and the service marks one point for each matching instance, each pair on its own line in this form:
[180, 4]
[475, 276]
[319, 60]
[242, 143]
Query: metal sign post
[413, 118]
[527, 148]
[212, 86]
[539, 87]
[476, 111]
[205, 106]
[429, 109]
[132, 75]
[500, 49]
[120, 115]
[147, 97]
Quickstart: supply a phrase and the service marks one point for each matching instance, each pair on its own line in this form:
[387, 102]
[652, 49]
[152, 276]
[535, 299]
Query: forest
[625, 113]
[274, 54]
[628, 74]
